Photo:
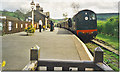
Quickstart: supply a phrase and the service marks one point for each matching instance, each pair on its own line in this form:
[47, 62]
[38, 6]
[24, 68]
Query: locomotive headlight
[86, 18]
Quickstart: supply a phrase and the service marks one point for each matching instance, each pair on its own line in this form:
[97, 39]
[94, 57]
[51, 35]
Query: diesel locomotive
[83, 24]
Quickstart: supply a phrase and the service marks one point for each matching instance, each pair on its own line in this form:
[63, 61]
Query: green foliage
[110, 58]
[105, 16]
[20, 15]
[54, 20]
[113, 41]
[109, 27]
[30, 29]
[100, 25]
[113, 67]
[108, 31]
[16, 14]
[65, 16]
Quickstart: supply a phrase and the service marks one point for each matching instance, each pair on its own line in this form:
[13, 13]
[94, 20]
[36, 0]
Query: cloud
[13, 5]
[58, 7]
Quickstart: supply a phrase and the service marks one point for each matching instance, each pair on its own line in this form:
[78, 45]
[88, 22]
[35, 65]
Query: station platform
[60, 44]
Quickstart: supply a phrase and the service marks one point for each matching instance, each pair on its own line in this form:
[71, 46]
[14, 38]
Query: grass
[113, 41]
[110, 58]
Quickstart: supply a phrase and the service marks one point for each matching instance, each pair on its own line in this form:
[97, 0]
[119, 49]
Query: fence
[65, 65]
[14, 26]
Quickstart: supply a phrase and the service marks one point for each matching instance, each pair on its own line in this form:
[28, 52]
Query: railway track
[110, 57]
[109, 48]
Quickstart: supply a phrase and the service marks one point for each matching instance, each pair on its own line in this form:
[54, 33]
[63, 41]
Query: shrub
[109, 27]
[44, 26]
[30, 29]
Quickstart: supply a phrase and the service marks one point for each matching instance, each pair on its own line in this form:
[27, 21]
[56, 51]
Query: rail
[105, 46]
[66, 65]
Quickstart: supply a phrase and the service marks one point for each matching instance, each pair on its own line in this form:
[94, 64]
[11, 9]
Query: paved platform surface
[59, 44]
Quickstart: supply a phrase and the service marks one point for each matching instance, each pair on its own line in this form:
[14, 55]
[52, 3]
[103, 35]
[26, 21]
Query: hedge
[109, 27]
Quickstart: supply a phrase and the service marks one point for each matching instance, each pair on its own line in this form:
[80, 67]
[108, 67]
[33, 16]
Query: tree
[109, 27]
[75, 6]
[65, 15]
[4, 10]
[24, 10]
[20, 15]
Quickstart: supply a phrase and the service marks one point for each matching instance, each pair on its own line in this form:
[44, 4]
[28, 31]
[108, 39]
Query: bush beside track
[110, 58]
[108, 31]
[109, 41]
[109, 27]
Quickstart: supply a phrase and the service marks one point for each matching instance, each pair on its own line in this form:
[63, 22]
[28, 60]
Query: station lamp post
[32, 6]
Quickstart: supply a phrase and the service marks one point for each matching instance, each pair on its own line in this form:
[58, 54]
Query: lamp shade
[32, 3]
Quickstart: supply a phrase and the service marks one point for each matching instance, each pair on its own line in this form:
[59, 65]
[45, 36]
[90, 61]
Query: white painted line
[86, 49]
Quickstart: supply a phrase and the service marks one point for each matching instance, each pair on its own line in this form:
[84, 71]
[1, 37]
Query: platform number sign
[9, 25]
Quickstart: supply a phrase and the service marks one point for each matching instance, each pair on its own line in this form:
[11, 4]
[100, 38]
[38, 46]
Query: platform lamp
[32, 6]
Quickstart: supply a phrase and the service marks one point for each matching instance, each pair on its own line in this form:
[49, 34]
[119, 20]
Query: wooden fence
[64, 65]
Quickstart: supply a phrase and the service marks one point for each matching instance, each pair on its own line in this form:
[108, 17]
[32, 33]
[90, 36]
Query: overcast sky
[58, 7]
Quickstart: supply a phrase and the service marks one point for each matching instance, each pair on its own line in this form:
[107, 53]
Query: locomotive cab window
[86, 13]
[92, 17]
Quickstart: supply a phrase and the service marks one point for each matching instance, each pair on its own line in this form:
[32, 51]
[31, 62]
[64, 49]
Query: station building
[38, 15]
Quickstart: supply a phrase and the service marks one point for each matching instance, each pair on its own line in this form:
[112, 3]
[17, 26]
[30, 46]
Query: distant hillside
[59, 19]
[55, 20]
[16, 14]
[104, 16]
[101, 16]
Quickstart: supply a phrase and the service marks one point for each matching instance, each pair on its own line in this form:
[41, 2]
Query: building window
[9, 25]
[26, 25]
[1, 26]
[21, 25]
[37, 25]
[16, 25]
